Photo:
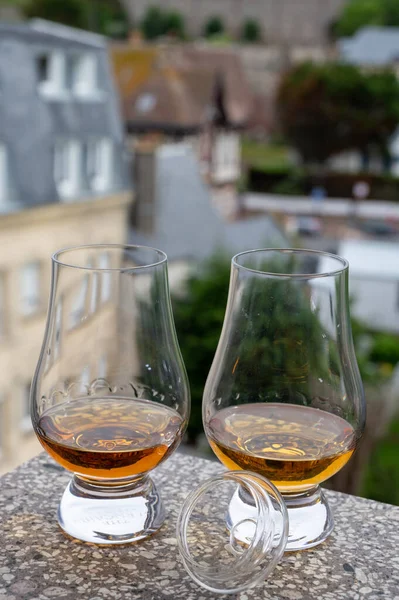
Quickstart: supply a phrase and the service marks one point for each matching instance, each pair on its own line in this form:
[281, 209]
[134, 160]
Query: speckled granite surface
[360, 560]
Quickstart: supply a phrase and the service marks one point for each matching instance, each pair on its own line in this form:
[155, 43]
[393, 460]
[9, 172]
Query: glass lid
[232, 531]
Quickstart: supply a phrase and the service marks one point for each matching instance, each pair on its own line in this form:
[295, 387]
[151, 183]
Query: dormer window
[3, 174]
[64, 75]
[83, 75]
[50, 70]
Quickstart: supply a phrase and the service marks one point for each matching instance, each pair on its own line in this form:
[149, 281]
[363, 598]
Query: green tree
[157, 22]
[174, 24]
[153, 23]
[199, 314]
[214, 27]
[67, 12]
[360, 13]
[325, 109]
[251, 31]
[269, 364]
[106, 17]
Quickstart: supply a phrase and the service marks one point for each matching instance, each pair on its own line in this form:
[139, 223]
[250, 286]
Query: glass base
[124, 512]
[310, 517]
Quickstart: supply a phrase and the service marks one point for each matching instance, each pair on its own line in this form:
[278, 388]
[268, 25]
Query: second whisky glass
[284, 397]
[110, 398]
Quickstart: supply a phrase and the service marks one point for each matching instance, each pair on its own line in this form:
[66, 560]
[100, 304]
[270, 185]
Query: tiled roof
[177, 86]
[170, 99]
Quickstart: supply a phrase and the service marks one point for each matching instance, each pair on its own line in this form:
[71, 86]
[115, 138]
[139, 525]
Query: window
[50, 69]
[145, 103]
[82, 75]
[2, 308]
[3, 174]
[94, 293]
[57, 330]
[2, 422]
[106, 277]
[43, 68]
[100, 164]
[85, 377]
[67, 167]
[78, 309]
[26, 422]
[30, 289]
[102, 367]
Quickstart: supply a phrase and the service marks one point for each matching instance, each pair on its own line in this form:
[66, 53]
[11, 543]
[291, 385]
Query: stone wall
[33, 236]
[288, 21]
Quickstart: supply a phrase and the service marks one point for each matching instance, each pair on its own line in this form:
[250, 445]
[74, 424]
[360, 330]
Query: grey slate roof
[30, 124]
[187, 226]
[374, 45]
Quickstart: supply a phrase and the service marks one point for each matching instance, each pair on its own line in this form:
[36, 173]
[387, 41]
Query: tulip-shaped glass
[110, 398]
[284, 397]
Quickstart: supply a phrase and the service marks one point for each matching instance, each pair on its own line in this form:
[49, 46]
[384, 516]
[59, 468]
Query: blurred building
[288, 21]
[372, 48]
[63, 182]
[174, 211]
[374, 282]
[191, 94]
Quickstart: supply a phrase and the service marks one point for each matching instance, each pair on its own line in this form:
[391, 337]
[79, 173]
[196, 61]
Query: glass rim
[344, 263]
[56, 256]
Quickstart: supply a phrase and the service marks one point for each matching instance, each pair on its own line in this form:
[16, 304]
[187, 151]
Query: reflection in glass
[110, 398]
[284, 397]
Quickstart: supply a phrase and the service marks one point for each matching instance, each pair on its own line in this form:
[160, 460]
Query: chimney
[144, 171]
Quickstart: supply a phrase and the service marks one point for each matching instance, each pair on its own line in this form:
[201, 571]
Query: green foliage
[360, 13]
[174, 24]
[382, 475]
[199, 317]
[102, 16]
[265, 156]
[157, 22]
[251, 31]
[67, 12]
[153, 23]
[385, 349]
[292, 185]
[214, 27]
[325, 109]
[270, 363]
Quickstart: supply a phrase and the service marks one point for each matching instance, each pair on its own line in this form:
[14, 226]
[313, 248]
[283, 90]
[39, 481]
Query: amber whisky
[110, 438]
[296, 447]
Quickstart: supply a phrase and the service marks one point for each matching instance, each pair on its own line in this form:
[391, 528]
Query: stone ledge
[37, 562]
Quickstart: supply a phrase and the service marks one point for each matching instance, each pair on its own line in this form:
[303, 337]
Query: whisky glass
[110, 398]
[284, 397]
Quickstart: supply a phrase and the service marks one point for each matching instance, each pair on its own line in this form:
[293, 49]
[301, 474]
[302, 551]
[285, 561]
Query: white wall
[226, 158]
[376, 302]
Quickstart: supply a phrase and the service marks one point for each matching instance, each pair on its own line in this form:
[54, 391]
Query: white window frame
[94, 292]
[100, 163]
[55, 84]
[104, 262]
[79, 303]
[30, 289]
[4, 179]
[2, 307]
[26, 421]
[67, 168]
[102, 367]
[84, 70]
[58, 329]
